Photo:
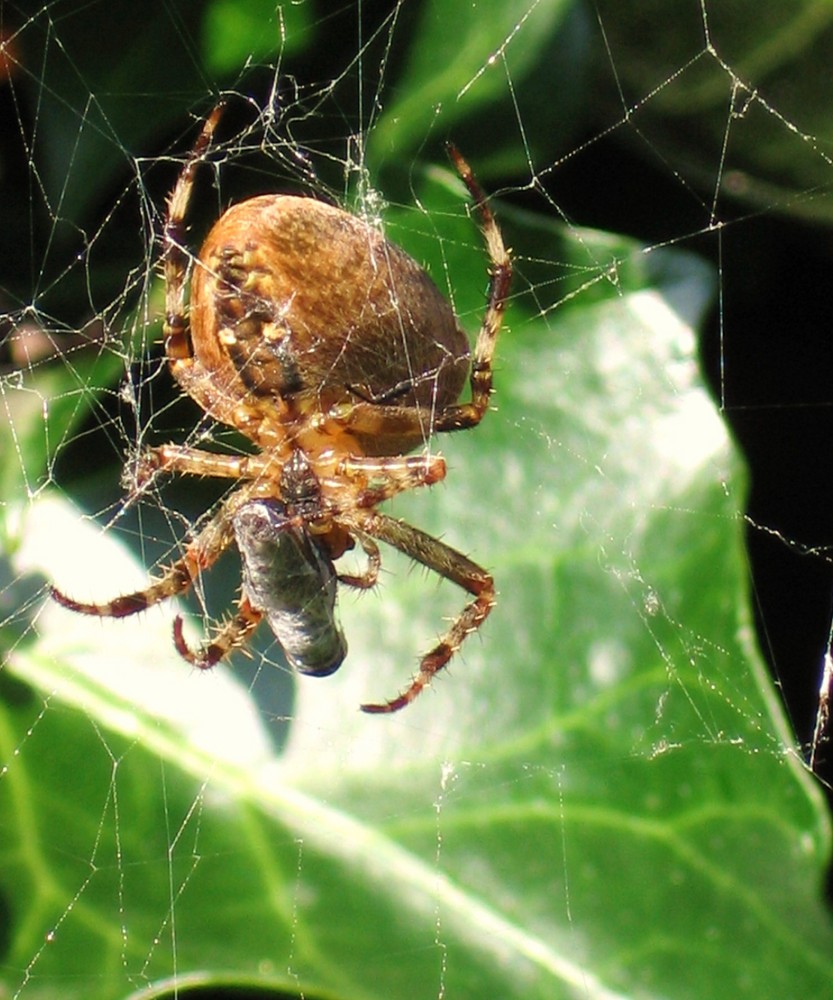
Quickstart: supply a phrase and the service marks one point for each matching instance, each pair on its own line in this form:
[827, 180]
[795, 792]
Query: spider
[333, 352]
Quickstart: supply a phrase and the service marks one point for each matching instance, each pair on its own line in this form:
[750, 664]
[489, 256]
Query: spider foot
[231, 635]
[431, 664]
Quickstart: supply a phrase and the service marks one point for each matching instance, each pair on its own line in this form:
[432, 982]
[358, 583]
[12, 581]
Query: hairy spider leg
[195, 462]
[229, 636]
[199, 555]
[375, 479]
[448, 563]
[378, 479]
[175, 258]
[462, 416]
[367, 579]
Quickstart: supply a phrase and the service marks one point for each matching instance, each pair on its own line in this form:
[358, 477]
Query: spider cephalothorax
[334, 353]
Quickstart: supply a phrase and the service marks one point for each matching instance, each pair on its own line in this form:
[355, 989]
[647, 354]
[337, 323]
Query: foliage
[601, 798]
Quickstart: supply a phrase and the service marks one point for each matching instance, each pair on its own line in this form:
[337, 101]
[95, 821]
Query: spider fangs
[334, 353]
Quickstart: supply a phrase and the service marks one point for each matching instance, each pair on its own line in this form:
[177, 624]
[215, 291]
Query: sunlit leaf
[598, 799]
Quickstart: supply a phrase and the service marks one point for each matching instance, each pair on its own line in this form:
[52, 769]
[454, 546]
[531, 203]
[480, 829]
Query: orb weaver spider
[334, 353]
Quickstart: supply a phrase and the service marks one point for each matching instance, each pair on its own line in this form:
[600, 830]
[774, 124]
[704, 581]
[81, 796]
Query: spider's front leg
[195, 462]
[176, 579]
[377, 479]
[448, 563]
[176, 260]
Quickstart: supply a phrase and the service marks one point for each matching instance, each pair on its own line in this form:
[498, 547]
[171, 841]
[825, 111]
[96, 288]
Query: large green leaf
[599, 798]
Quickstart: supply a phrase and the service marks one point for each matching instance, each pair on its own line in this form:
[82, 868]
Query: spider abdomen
[291, 580]
[299, 301]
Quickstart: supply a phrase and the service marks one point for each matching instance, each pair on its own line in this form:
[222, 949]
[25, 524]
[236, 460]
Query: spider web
[606, 793]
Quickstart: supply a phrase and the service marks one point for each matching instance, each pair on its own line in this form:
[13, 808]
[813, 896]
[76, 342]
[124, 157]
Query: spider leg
[378, 479]
[195, 462]
[366, 580]
[234, 633]
[374, 420]
[448, 563]
[379, 416]
[176, 260]
[176, 579]
[465, 415]
[201, 553]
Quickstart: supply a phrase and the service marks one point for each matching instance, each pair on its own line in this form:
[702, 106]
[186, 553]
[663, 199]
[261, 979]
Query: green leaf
[455, 76]
[600, 797]
[237, 33]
